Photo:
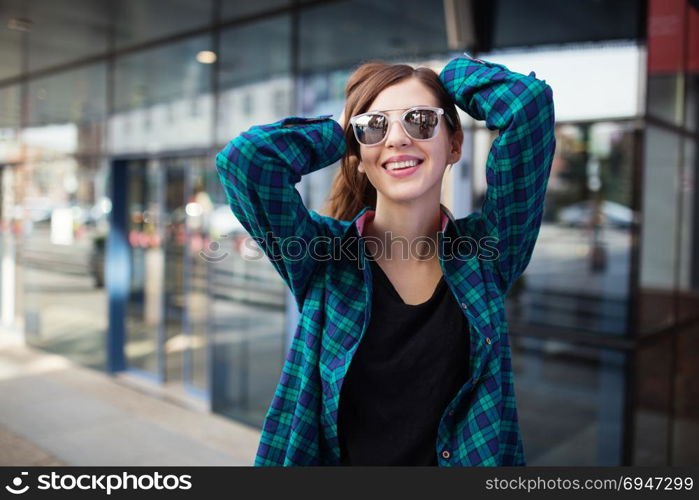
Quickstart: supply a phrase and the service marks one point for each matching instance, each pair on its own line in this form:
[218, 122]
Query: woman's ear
[455, 143]
[360, 167]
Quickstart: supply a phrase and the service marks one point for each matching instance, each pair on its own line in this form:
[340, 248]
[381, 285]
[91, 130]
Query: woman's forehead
[404, 95]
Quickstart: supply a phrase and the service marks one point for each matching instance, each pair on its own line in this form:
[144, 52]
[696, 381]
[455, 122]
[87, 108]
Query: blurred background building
[118, 250]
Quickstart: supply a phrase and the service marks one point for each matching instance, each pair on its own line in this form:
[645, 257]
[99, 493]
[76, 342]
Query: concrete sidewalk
[53, 412]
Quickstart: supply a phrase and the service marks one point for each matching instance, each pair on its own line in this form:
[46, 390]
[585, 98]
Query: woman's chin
[401, 196]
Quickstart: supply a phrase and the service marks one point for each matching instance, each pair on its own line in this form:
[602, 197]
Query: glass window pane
[169, 209]
[692, 101]
[662, 93]
[11, 53]
[199, 212]
[231, 9]
[659, 235]
[61, 32]
[10, 106]
[144, 310]
[578, 276]
[570, 401]
[248, 306]
[139, 21]
[255, 51]
[254, 79]
[341, 34]
[10, 110]
[689, 234]
[163, 99]
[577, 92]
[541, 22]
[685, 431]
[75, 97]
[66, 219]
[653, 389]
[65, 304]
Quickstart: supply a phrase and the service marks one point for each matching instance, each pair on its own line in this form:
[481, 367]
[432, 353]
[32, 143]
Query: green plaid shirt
[331, 282]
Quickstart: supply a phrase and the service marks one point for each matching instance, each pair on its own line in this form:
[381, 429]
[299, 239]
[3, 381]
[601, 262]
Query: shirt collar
[367, 213]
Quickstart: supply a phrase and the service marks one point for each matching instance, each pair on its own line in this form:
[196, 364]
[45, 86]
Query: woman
[423, 329]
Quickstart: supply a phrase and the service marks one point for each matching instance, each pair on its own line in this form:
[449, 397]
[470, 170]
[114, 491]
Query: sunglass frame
[439, 111]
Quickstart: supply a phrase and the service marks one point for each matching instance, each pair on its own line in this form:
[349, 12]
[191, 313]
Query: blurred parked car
[580, 214]
[38, 209]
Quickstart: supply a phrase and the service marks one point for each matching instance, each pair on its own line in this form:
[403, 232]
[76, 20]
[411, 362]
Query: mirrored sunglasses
[421, 123]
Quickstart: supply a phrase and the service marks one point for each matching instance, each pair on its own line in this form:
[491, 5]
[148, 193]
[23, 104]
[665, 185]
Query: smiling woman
[395, 88]
[398, 359]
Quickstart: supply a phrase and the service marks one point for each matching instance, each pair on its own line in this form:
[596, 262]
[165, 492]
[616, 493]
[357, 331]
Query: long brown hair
[351, 190]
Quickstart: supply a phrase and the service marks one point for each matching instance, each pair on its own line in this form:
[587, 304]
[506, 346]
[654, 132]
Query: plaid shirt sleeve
[258, 170]
[520, 158]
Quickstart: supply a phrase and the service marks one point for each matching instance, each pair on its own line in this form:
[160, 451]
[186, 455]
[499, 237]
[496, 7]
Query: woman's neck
[404, 231]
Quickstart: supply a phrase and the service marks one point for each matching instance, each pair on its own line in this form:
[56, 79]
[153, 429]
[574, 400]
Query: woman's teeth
[402, 164]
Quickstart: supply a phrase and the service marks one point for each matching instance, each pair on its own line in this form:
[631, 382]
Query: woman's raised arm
[259, 170]
[519, 161]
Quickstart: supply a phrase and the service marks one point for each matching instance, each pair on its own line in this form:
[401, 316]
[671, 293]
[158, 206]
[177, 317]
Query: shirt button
[463, 304]
[487, 340]
[451, 412]
[446, 454]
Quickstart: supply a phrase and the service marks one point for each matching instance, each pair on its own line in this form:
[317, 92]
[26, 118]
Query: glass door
[144, 305]
[168, 300]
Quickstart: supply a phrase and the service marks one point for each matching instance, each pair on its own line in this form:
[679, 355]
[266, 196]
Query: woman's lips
[403, 172]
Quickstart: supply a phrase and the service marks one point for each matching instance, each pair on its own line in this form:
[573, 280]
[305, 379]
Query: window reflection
[248, 311]
[11, 41]
[686, 405]
[168, 310]
[231, 9]
[255, 85]
[138, 21]
[163, 99]
[65, 215]
[653, 393]
[662, 97]
[570, 401]
[578, 276]
[659, 235]
[688, 262]
[65, 304]
[10, 111]
[65, 31]
[361, 24]
[144, 307]
[248, 297]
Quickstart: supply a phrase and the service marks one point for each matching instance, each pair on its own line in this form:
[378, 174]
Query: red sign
[673, 37]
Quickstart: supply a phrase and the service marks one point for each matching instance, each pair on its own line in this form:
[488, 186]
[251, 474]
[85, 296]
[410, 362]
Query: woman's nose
[396, 136]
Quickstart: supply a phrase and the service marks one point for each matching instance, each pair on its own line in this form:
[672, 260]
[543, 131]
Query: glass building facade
[118, 250]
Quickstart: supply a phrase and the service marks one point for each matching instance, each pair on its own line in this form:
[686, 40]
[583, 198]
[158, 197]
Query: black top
[410, 364]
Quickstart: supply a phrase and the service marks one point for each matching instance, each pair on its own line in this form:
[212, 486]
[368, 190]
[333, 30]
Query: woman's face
[432, 155]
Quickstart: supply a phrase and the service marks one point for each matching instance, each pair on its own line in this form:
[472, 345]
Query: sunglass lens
[370, 129]
[422, 123]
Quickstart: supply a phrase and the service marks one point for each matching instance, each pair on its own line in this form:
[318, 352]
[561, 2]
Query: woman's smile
[402, 165]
